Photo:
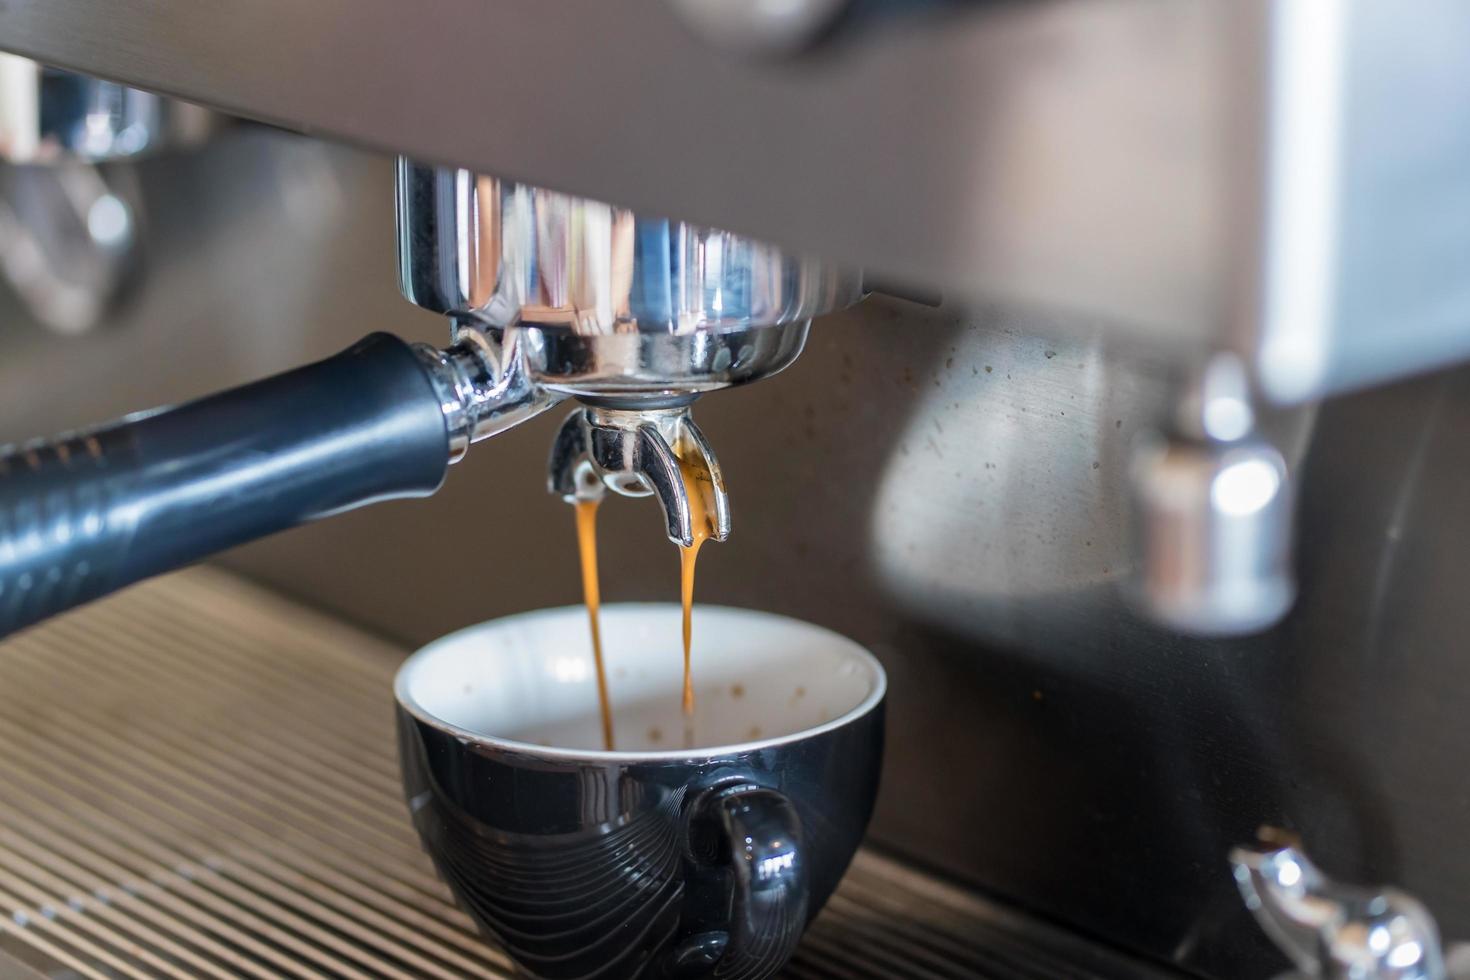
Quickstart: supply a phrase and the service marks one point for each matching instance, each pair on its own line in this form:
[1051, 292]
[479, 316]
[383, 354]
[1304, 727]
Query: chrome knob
[69, 240]
[1213, 515]
[1332, 930]
[1214, 535]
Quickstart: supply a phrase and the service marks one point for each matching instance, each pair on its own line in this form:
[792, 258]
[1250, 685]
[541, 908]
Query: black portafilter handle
[90, 512]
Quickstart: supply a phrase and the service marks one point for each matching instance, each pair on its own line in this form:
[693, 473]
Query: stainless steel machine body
[949, 486]
[1195, 174]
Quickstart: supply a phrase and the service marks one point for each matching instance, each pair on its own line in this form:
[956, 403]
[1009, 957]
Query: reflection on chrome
[508, 255]
[1243, 488]
[48, 115]
[555, 296]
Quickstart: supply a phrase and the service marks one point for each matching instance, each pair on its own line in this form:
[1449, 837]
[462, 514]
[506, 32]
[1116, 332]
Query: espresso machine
[548, 297]
[1092, 363]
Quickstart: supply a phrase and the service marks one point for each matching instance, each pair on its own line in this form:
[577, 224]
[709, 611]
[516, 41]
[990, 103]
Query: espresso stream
[587, 549]
[699, 486]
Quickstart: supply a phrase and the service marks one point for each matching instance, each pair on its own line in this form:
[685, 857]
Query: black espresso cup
[696, 848]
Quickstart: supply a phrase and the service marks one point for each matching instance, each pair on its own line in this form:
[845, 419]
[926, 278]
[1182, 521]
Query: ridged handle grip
[87, 513]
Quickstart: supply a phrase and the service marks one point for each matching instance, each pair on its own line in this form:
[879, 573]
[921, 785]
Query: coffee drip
[654, 451]
[699, 484]
[700, 487]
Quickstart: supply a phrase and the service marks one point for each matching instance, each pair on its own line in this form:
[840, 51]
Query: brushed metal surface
[946, 486]
[1364, 202]
[1284, 178]
[987, 146]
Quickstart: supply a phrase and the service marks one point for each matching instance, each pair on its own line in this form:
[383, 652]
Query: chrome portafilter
[634, 316]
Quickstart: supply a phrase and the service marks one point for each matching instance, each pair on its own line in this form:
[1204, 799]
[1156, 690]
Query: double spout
[638, 453]
[636, 446]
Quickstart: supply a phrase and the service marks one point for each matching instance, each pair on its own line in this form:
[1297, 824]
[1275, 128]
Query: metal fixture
[483, 385]
[1336, 931]
[69, 240]
[557, 296]
[48, 115]
[1213, 519]
[638, 453]
[511, 255]
[68, 227]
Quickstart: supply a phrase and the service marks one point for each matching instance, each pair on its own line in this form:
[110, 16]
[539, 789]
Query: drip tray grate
[199, 780]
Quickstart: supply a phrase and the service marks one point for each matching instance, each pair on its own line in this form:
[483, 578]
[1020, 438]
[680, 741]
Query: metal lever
[1333, 930]
[637, 453]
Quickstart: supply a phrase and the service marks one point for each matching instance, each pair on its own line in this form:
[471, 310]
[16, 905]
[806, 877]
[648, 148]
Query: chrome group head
[555, 296]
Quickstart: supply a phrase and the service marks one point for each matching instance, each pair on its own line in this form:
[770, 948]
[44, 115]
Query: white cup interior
[529, 679]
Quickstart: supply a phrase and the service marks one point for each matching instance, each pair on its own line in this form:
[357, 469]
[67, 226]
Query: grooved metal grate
[198, 779]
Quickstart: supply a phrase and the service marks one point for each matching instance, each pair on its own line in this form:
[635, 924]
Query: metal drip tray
[199, 780]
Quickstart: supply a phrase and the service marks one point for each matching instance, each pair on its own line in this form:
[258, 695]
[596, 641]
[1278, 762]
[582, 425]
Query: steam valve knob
[1337, 931]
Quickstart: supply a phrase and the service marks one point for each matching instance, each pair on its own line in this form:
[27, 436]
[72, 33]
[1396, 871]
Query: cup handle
[768, 861]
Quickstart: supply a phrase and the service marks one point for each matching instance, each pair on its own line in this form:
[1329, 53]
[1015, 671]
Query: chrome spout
[1213, 508]
[1332, 930]
[640, 453]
